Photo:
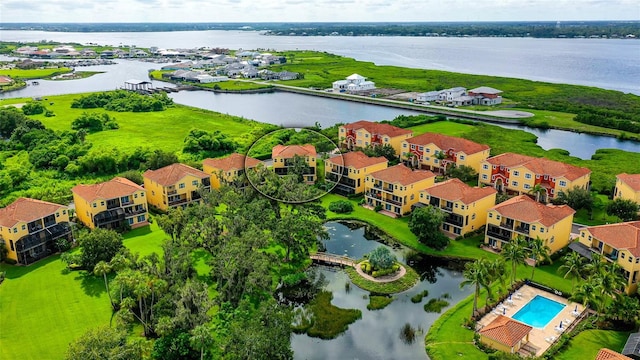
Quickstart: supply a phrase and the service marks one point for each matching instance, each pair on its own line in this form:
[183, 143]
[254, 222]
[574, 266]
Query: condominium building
[283, 157]
[363, 133]
[350, 170]
[396, 188]
[437, 152]
[175, 185]
[229, 170]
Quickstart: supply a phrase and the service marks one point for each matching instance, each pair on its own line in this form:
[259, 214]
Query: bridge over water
[333, 259]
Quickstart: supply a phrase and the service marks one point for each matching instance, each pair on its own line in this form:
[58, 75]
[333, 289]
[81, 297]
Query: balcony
[35, 226]
[394, 202]
[498, 233]
[126, 201]
[522, 229]
[612, 256]
[332, 177]
[206, 182]
[133, 211]
[455, 220]
[434, 201]
[172, 192]
[105, 218]
[388, 188]
[52, 233]
[508, 224]
[177, 202]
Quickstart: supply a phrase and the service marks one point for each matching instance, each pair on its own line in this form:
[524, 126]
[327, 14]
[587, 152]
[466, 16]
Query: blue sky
[314, 10]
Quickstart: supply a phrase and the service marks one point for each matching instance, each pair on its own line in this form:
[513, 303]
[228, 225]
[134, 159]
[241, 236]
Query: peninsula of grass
[27, 74]
[320, 69]
[231, 85]
[379, 302]
[328, 321]
[77, 75]
[406, 282]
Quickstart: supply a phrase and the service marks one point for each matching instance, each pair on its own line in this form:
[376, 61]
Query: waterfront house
[175, 185]
[353, 82]
[111, 204]
[178, 66]
[485, 95]
[30, 229]
[363, 133]
[521, 174]
[428, 96]
[505, 334]
[396, 188]
[229, 170]
[350, 170]
[466, 206]
[627, 187]
[619, 243]
[447, 95]
[523, 216]
[283, 159]
[437, 152]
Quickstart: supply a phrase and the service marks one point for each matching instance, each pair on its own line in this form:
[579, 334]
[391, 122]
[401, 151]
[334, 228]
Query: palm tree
[596, 265]
[572, 266]
[587, 294]
[201, 339]
[538, 191]
[538, 250]
[476, 274]
[496, 272]
[102, 268]
[515, 252]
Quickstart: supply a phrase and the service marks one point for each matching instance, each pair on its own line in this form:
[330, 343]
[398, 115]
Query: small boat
[35, 83]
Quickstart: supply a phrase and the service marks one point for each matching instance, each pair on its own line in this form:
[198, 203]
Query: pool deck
[540, 339]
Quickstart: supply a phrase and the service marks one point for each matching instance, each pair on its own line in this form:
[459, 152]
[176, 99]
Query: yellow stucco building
[520, 174]
[175, 185]
[363, 133]
[350, 171]
[437, 152]
[229, 170]
[283, 156]
[618, 243]
[30, 229]
[524, 216]
[111, 204]
[627, 187]
[505, 334]
[466, 206]
[396, 188]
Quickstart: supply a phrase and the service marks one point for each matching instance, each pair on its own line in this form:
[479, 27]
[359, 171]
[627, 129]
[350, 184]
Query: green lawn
[34, 73]
[44, 307]
[155, 130]
[587, 344]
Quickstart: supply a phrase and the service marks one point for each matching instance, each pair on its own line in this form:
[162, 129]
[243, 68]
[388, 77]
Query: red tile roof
[26, 210]
[377, 128]
[288, 151]
[506, 330]
[113, 188]
[523, 208]
[621, 236]
[357, 160]
[402, 175]
[171, 174]
[445, 143]
[632, 180]
[455, 189]
[234, 161]
[540, 166]
[606, 354]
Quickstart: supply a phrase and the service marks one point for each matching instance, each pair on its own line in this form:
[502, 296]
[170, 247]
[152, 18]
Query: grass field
[587, 344]
[155, 130]
[34, 73]
[44, 307]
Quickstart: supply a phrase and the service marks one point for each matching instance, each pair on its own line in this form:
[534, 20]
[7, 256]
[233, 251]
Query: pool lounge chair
[550, 339]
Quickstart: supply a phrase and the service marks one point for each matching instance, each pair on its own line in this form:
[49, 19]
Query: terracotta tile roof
[402, 175]
[377, 128]
[27, 210]
[113, 188]
[506, 330]
[171, 174]
[540, 166]
[357, 160]
[523, 208]
[445, 142]
[288, 151]
[234, 161]
[621, 236]
[606, 354]
[455, 189]
[633, 180]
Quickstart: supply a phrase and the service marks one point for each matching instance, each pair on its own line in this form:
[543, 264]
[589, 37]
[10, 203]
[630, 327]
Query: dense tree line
[122, 101]
[208, 143]
[94, 122]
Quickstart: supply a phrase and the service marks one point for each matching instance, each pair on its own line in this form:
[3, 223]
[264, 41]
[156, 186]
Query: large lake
[606, 63]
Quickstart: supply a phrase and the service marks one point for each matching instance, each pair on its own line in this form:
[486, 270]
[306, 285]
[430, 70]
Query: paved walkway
[382, 279]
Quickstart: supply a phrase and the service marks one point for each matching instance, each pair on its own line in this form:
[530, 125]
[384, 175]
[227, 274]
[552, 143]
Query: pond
[377, 335]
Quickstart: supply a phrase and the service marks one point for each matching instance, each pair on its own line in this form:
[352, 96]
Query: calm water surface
[377, 334]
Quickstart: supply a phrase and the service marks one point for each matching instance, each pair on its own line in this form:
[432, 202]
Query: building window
[11, 244]
[473, 216]
[130, 221]
[630, 258]
[497, 217]
[141, 218]
[533, 227]
[386, 139]
[135, 196]
[456, 205]
[541, 229]
[490, 215]
[141, 194]
[404, 145]
[366, 135]
[57, 215]
[428, 150]
[64, 212]
[484, 177]
[622, 255]
[195, 182]
[24, 226]
[461, 157]
[95, 205]
[341, 129]
[551, 240]
[485, 167]
[516, 173]
[527, 176]
[435, 161]
[101, 203]
[181, 186]
[153, 193]
[527, 186]
[563, 183]
[514, 183]
[411, 198]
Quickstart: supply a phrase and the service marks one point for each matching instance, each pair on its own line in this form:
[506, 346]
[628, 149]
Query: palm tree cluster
[481, 274]
[601, 287]
[518, 250]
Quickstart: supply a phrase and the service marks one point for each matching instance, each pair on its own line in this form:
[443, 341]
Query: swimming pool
[539, 311]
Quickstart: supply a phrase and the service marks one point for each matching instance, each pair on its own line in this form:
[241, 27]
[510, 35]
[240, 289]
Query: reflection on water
[395, 332]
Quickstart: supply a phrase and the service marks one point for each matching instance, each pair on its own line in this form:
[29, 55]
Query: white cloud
[323, 10]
